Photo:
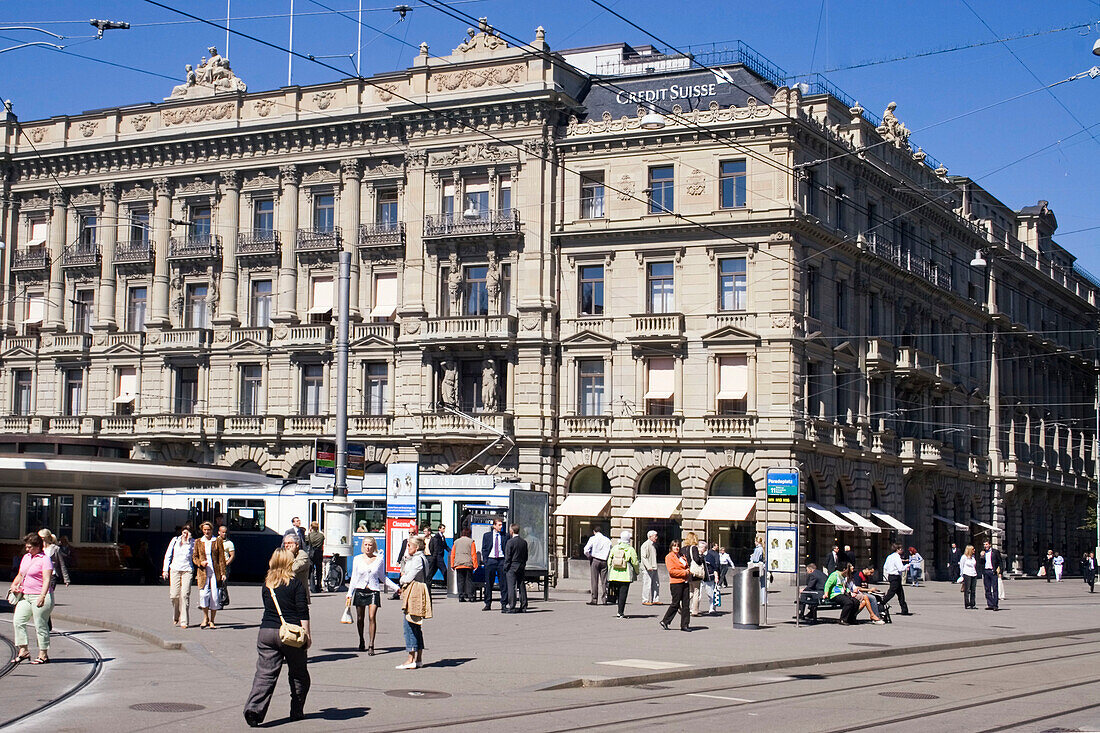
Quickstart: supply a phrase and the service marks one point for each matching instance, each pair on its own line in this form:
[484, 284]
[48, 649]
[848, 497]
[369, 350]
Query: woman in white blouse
[368, 580]
[968, 576]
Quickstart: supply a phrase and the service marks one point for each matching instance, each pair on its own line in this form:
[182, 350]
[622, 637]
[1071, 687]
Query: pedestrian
[368, 581]
[296, 527]
[711, 561]
[596, 550]
[893, 570]
[416, 602]
[812, 592]
[690, 551]
[143, 561]
[284, 600]
[678, 586]
[66, 552]
[229, 547]
[437, 550]
[315, 548]
[953, 562]
[622, 568]
[991, 576]
[757, 560]
[1048, 565]
[492, 551]
[515, 573]
[832, 562]
[178, 571]
[53, 551]
[300, 566]
[968, 575]
[1059, 563]
[33, 599]
[464, 563]
[725, 564]
[1088, 569]
[916, 567]
[650, 581]
[209, 558]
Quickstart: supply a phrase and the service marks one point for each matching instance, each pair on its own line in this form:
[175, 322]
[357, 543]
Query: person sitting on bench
[812, 592]
[862, 594]
[836, 590]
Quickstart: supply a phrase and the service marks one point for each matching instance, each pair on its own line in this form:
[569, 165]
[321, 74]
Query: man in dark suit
[1088, 569]
[437, 547]
[298, 530]
[492, 553]
[515, 570]
[991, 576]
[812, 592]
[833, 561]
[953, 563]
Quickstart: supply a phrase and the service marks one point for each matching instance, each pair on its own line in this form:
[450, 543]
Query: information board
[397, 531]
[782, 485]
[781, 549]
[402, 490]
[531, 511]
[324, 458]
[357, 460]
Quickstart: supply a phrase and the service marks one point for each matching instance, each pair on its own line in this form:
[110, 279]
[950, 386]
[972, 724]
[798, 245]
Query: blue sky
[815, 35]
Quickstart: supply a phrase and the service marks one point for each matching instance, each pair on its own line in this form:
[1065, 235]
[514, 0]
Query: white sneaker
[410, 665]
[878, 622]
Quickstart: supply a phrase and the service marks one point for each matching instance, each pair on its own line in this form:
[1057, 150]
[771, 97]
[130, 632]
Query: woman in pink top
[33, 585]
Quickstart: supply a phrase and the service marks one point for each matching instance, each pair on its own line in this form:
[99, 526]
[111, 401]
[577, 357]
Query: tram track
[11, 663]
[89, 677]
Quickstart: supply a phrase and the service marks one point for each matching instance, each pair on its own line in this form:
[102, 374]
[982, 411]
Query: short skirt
[363, 597]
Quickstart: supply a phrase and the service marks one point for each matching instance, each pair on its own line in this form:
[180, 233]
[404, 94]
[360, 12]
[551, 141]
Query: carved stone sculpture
[448, 385]
[454, 280]
[492, 278]
[892, 129]
[213, 76]
[489, 401]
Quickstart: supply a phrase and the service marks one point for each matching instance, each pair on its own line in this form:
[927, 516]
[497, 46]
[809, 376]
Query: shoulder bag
[697, 570]
[289, 634]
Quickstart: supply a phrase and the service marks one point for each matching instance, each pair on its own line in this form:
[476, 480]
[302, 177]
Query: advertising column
[402, 500]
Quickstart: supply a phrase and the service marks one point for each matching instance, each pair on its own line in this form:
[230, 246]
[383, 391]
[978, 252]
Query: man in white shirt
[230, 548]
[650, 584]
[597, 550]
[893, 570]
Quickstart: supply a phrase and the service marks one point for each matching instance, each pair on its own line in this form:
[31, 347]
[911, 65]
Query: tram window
[431, 513]
[245, 515]
[76, 449]
[52, 511]
[133, 513]
[370, 515]
[9, 515]
[99, 519]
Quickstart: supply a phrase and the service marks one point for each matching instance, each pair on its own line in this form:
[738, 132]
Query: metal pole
[340, 488]
[228, 3]
[290, 45]
[359, 43]
[1096, 453]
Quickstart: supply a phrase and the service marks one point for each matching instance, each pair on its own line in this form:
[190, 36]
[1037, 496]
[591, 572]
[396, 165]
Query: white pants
[1058, 573]
[651, 588]
[706, 596]
[180, 593]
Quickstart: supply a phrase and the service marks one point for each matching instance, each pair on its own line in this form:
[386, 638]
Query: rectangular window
[430, 513]
[872, 215]
[660, 287]
[475, 204]
[815, 390]
[813, 306]
[252, 389]
[733, 385]
[88, 229]
[126, 384]
[83, 311]
[448, 207]
[475, 295]
[11, 508]
[378, 383]
[592, 192]
[100, 514]
[140, 231]
[841, 205]
[260, 303]
[811, 193]
[370, 515]
[385, 296]
[324, 212]
[200, 222]
[841, 304]
[732, 284]
[386, 211]
[133, 513]
[845, 389]
[732, 182]
[591, 380]
[187, 390]
[504, 197]
[470, 381]
[444, 291]
[136, 299]
[40, 233]
[591, 290]
[872, 315]
[505, 289]
[245, 515]
[263, 216]
[23, 389]
[320, 300]
[50, 511]
[35, 310]
[74, 391]
[313, 389]
[660, 386]
[661, 189]
[196, 307]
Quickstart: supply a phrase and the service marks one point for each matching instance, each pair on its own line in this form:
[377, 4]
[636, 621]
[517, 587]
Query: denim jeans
[414, 636]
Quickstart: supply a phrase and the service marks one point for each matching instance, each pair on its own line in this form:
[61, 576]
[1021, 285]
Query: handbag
[223, 596]
[14, 597]
[289, 634]
[345, 617]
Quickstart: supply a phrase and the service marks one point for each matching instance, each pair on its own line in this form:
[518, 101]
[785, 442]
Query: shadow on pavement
[331, 658]
[455, 662]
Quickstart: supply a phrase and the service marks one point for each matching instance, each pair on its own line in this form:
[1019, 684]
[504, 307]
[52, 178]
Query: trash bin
[452, 583]
[746, 599]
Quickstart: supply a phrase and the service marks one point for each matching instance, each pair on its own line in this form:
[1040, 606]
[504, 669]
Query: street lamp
[997, 508]
[652, 120]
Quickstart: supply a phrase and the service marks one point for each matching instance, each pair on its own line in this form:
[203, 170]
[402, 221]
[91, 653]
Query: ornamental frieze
[260, 180]
[85, 198]
[137, 192]
[197, 114]
[712, 114]
[197, 187]
[321, 175]
[36, 134]
[472, 153]
[477, 78]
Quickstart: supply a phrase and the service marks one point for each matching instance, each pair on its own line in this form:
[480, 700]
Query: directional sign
[782, 485]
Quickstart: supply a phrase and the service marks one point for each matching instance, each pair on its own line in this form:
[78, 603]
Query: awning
[730, 509]
[958, 525]
[36, 242]
[895, 524]
[662, 379]
[36, 308]
[990, 527]
[385, 296]
[860, 521]
[322, 295]
[584, 505]
[653, 507]
[733, 377]
[828, 516]
[124, 399]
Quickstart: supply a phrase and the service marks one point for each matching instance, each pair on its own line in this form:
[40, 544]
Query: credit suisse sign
[689, 89]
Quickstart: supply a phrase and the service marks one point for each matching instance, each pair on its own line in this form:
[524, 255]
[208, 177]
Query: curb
[145, 635]
[731, 669]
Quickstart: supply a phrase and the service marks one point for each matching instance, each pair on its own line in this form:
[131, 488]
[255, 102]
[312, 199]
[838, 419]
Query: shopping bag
[1001, 588]
[1042, 572]
[716, 597]
[345, 617]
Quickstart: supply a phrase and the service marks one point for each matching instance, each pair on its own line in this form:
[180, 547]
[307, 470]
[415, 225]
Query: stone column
[108, 238]
[351, 171]
[290, 176]
[410, 202]
[13, 223]
[229, 221]
[59, 218]
[751, 403]
[162, 212]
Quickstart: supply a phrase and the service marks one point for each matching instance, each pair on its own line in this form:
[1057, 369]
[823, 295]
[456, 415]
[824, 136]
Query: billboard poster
[357, 460]
[402, 490]
[397, 531]
[782, 549]
[324, 459]
[531, 511]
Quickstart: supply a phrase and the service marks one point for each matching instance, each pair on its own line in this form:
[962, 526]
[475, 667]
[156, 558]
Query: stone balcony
[183, 339]
[585, 426]
[195, 247]
[22, 424]
[370, 426]
[25, 343]
[914, 451]
[469, 328]
[658, 426]
[174, 425]
[594, 324]
[133, 253]
[132, 339]
[730, 426]
[916, 365]
[494, 223]
[117, 425]
[382, 235]
[658, 327]
[251, 425]
[30, 259]
[66, 343]
[313, 426]
[383, 330]
[257, 243]
[73, 425]
[308, 334]
[260, 335]
[880, 355]
[450, 427]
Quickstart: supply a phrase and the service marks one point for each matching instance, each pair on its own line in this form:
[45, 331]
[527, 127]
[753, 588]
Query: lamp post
[997, 512]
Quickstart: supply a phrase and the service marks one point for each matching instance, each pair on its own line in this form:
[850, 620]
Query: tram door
[317, 513]
[204, 510]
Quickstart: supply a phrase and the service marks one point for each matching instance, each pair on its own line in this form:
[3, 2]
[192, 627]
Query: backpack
[618, 558]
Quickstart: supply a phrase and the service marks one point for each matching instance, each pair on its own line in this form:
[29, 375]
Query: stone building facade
[653, 315]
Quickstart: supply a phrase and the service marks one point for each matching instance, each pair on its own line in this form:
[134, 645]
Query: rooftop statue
[213, 76]
[892, 129]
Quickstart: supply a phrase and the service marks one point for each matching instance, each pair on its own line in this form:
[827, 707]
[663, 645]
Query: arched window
[732, 482]
[590, 480]
[661, 482]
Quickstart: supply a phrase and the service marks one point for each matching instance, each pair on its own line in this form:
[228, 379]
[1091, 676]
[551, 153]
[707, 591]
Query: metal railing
[133, 252]
[31, 258]
[314, 239]
[81, 255]
[257, 242]
[194, 246]
[901, 257]
[385, 234]
[503, 221]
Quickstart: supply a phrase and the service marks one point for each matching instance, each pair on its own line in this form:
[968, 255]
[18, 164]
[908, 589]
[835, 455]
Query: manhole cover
[418, 694]
[867, 643]
[651, 687]
[167, 707]
[910, 695]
